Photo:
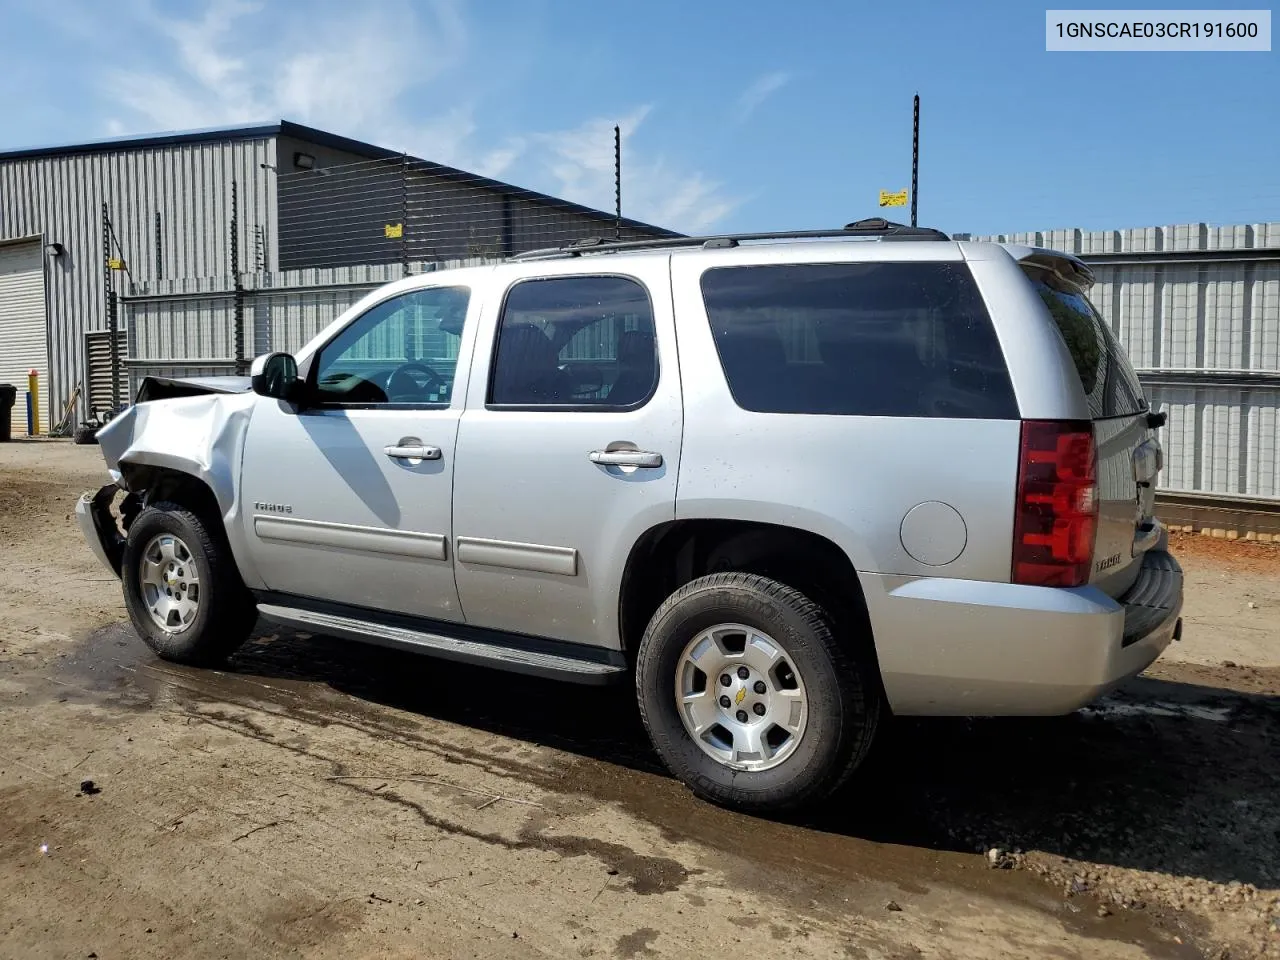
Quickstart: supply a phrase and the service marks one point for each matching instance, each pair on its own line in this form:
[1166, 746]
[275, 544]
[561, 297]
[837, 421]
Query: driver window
[402, 350]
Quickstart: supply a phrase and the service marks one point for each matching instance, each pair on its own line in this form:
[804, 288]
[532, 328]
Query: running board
[527, 655]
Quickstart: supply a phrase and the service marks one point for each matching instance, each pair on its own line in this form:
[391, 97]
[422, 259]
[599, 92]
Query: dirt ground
[323, 799]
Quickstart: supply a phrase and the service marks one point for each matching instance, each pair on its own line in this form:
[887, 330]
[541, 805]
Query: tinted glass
[403, 350]
[1109, 383]
[575, 341]
[876, 339]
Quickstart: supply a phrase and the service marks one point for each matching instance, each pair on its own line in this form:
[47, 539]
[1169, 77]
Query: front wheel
[182, 589]
[748, 696]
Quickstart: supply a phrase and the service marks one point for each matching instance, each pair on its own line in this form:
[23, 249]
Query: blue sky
[736, 115]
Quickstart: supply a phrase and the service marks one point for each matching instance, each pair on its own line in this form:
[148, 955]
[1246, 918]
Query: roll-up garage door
[24, 338]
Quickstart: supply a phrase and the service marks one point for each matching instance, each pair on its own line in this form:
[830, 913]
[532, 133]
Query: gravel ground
[324, 799]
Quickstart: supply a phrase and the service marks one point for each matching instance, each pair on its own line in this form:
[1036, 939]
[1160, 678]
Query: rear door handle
[625, 458]
[418, 451]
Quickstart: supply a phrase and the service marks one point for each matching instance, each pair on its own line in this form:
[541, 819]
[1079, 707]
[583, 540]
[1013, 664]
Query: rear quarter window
[871, 339]
[1110, 384]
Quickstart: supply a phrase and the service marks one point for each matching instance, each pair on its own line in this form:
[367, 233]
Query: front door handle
[625, 458]
[411, 451]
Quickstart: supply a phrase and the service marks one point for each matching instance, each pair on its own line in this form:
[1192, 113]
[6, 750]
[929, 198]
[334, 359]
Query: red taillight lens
[1057, 512]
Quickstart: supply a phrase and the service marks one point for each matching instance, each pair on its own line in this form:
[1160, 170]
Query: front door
[569, 447]
[349, 498]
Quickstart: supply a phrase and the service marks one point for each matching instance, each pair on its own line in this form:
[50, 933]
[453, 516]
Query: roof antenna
[617, 182]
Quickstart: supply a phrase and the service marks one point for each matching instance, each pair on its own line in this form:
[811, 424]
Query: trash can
[8, 395]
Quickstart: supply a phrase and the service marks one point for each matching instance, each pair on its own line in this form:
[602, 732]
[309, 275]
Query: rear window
[1109, 383]
[871, 339]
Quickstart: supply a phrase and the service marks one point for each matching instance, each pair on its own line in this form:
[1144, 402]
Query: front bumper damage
[99, 527]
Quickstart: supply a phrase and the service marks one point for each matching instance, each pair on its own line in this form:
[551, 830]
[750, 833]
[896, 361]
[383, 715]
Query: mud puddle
[935, 794]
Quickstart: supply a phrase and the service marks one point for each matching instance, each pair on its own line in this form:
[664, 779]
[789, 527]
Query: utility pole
[113, 321]
[617, 182]
[915, 156]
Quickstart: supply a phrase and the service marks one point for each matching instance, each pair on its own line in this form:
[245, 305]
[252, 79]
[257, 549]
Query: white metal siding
[189, 184]
[23, 332]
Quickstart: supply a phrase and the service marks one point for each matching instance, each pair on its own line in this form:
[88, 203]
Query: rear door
[1129, 454]
[569, 448]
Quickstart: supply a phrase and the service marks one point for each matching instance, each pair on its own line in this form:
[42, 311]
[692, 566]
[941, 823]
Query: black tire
[842, 689]
[226, 612]
[85, 434]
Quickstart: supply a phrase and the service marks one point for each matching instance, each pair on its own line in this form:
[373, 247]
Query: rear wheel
[181, 587]
[748, 696]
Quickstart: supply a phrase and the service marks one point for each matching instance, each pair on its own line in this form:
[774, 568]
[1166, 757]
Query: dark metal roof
[253, 131]
[260, 131]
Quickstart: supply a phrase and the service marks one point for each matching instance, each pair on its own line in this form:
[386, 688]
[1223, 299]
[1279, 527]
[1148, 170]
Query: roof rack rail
[872, 227]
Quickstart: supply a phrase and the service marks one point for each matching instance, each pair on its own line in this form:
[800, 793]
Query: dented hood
[163, 388]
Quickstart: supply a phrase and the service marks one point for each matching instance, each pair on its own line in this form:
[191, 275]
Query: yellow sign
[888, 199]
[115, 263]
[394, 230]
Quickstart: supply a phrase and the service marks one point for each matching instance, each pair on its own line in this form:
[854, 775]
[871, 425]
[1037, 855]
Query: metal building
[80, 222]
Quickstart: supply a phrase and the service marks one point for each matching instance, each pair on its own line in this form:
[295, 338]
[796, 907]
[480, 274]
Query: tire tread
[859, 694]
[232, 613]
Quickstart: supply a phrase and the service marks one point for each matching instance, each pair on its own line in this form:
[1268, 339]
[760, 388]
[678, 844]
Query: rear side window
[871, 339]
[1109, 383]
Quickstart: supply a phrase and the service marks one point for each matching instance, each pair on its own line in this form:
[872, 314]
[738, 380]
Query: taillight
[1057, 512]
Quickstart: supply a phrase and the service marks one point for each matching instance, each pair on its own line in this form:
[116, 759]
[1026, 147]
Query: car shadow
[1177, 778]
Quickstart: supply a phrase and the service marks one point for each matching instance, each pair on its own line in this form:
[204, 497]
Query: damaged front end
[178, 431]
[99, 525]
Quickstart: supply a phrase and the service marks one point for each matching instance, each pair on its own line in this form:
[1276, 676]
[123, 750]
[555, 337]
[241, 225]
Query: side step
[517, 654]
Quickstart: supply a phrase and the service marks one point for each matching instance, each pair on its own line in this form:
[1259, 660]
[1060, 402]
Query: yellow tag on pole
[115, 263]
[888, 199]
[394, 230]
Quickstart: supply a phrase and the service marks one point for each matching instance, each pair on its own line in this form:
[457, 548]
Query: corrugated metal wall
[60, 197]
[1197, 307]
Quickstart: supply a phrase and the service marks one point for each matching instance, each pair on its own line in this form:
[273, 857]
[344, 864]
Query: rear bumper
[968, 648]
[93, 513]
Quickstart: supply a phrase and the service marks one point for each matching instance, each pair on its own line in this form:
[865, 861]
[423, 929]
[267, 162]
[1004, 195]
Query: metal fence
[1197, 307]
[406, 210]
[188, 327]
[1201, 323]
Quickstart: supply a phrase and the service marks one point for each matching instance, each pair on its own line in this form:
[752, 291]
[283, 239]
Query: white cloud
[580, 160]
[759, 91]
[371, 72]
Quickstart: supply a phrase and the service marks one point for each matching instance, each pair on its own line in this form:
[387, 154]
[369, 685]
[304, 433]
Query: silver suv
[789, 484]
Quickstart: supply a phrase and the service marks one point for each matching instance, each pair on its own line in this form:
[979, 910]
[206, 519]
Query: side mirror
[275, 375]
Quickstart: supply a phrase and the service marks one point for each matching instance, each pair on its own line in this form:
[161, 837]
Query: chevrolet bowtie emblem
[742, 695]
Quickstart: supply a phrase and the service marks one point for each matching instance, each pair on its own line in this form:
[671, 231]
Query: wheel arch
[174, 480]
[671, 554]
[187, 483]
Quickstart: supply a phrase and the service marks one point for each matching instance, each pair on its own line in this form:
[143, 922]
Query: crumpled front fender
[201, 437]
